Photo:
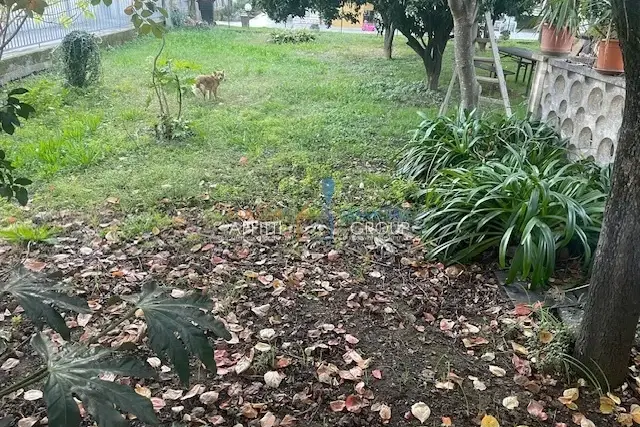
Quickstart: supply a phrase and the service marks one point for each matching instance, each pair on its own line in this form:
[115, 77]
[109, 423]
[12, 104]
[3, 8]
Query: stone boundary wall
[585, 106]
[22, 64]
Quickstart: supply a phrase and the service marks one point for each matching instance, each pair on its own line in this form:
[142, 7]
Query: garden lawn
[350, 329]
[289, 115]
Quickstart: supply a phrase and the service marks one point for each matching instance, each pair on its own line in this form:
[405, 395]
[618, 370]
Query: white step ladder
[497, 67]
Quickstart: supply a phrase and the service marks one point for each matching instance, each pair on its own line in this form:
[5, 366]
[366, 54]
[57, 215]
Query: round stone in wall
[563, 107]
[575, 94]
[601, 124]
[606, 150]
[594, 103]
[580, 116]
[552, 119]
[559, 85]
[566, 130]
[617, 106]
[585, 137]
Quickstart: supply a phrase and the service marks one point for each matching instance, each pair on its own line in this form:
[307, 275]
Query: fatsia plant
[75, 370]
[38, 295]
[176, 329]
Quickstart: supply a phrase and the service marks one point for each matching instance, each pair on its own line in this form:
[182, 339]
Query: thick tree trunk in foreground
[464, 17]
[613, 306]
[389, 31]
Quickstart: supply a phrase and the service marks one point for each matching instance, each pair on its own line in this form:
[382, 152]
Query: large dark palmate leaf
[75, 371]
[38, 294]
[176, 327]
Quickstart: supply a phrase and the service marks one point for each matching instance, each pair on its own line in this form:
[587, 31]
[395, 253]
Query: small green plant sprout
[26, 233]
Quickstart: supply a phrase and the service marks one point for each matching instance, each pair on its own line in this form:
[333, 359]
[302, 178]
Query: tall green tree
[612, 310]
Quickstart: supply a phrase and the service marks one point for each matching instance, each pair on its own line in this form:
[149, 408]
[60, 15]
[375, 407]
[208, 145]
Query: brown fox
[208, 84]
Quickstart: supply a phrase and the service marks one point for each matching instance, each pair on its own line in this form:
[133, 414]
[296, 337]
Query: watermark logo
[328, 189]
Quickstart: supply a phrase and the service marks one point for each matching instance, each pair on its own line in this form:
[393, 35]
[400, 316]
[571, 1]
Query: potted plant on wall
[609, 57]
[560, 22]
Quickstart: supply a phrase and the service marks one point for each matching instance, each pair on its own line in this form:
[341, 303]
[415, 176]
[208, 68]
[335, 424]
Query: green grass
[298, 113]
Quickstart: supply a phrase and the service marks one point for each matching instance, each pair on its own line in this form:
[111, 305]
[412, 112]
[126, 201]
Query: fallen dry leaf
[351, 339]
[143, 391]
[261, 310]
[269, 420]
[385, 413]
[568, 398]
[248, 411]
[446, 324]
[510, 402]
[536, 409]
[586, 422]
[354, 403]
[244, 363]
[519, 348]
[172, 394]
[377, 374]
[158, 403]
[497, 371]
[273, 379]
[421, 411]
[607, 405]
[337, 405]
[28, 422]
[288, 421]
[9, 364]
[635, 413]
[488, 357]
[489, 421]
[83, 319]
[474, 342]
[545, 337]
[32, 395]
[625, 419]
[262, 347]
[154, 362]
[614, 398]
[446, 422]
[195, 390]
[209, 397]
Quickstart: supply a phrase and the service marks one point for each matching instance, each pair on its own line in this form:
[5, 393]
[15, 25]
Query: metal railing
[64, 16]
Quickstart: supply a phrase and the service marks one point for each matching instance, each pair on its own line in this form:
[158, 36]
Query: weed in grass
[25, 233]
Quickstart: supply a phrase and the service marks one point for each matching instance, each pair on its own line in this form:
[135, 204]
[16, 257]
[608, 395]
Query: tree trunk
[464, 17]
[613, 306]
[431, 54]
[433, 67]
[389, 31]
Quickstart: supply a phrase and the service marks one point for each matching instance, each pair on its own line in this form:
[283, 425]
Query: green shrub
[504, 185]
[467, 139]
[80, 55]
[28, 233]
[291, 36]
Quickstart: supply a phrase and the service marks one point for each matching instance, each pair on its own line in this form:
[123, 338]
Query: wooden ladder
[497, 67]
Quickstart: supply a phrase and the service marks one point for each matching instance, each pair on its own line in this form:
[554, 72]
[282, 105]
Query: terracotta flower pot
[609, 59]
[554, 42]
